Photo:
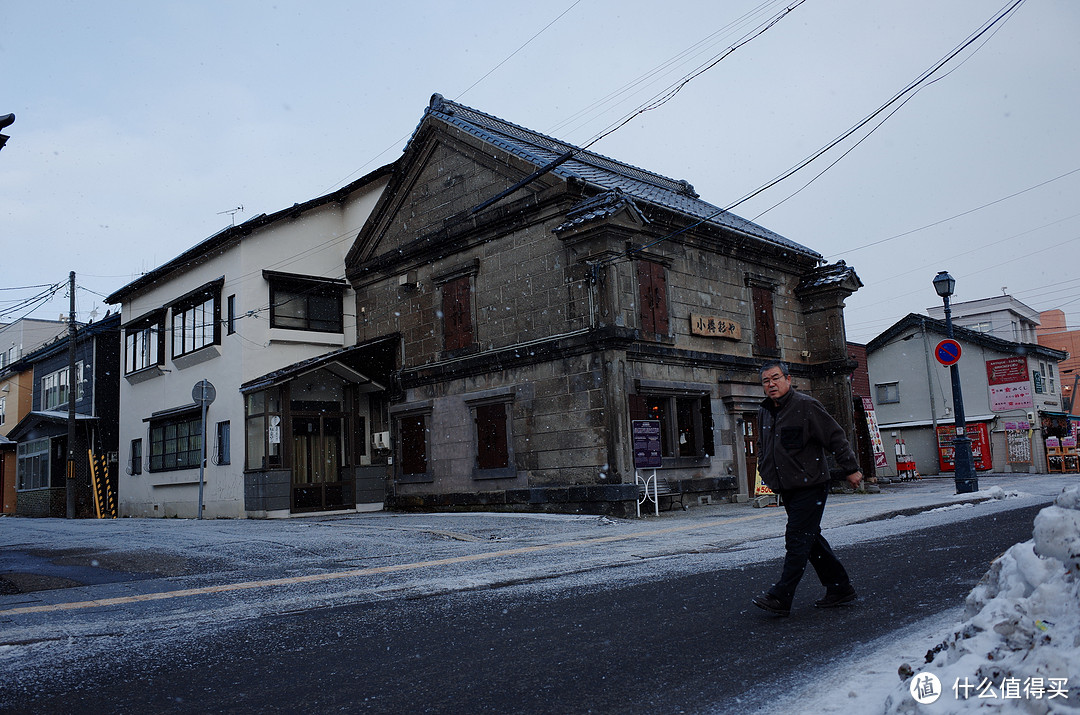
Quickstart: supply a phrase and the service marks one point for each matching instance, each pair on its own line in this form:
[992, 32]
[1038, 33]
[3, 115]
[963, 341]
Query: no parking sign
[947, 352]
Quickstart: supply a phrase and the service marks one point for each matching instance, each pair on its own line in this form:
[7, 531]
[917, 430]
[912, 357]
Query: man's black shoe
[837, 598]
[772, 604]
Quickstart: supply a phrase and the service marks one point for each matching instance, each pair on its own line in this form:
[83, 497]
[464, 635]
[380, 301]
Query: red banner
[1006, 370]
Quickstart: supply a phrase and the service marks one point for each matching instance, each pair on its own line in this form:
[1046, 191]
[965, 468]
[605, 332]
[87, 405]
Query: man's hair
[774, 363]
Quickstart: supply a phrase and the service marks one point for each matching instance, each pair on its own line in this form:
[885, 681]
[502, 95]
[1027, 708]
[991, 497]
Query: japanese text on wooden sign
[712, 326]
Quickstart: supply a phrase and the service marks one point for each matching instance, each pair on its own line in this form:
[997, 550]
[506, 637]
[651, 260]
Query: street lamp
[5, 121]
[963, 463]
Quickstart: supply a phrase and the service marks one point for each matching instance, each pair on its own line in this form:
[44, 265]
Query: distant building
[17, 339]
[1054, 332]
[42, 434]
[1001, 316]
[26, 335]
[1010, 405]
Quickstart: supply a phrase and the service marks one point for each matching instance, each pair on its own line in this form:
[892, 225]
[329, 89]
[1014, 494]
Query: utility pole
[71, 401]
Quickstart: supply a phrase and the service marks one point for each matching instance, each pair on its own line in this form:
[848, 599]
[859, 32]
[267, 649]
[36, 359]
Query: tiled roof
[599, 170]
[829, 275]
[598, 207]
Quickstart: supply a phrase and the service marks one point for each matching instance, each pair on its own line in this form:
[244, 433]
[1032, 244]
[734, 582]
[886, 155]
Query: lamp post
[963, 463]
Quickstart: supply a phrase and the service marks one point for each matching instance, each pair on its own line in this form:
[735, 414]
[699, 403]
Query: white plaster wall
[313, 244]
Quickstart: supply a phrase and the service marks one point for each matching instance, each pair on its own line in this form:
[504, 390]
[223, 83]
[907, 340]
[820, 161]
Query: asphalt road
[682, 642]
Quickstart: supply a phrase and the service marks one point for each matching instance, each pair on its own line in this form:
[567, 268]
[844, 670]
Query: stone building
[539, 297]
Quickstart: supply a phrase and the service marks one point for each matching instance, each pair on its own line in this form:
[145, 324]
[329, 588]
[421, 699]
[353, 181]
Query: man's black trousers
[804, 542]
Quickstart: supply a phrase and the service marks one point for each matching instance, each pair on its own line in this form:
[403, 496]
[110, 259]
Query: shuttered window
[457, 314]
[652, 292]
[764, 322]
[491, 443]
[412, 430]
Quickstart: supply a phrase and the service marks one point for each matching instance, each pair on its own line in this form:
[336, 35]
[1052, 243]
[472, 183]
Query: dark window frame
[230, 324]
[493, 438]
[458, 323]
[223, 443]
[680, 413]
[306, 303]
[175, 443]
[413, 465]
[144, 342]
[765, 338]
[188, 318]
[135, 457]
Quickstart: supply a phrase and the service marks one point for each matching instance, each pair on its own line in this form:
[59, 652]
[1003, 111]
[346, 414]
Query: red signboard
[978, 433]
[1006, 370]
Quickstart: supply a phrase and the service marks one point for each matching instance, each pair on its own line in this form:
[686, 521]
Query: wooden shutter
[457, 314]
[764, 323]
[413, 444]
[491, 447]
[652, 294]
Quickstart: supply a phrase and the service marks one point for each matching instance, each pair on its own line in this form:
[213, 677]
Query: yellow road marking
[371, 571]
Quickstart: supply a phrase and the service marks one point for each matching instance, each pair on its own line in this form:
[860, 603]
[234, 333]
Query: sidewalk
[40, 559]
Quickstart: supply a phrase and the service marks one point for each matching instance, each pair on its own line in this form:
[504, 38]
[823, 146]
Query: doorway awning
[343, 363]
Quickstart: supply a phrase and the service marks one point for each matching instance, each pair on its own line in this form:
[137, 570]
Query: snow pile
[1018, 651]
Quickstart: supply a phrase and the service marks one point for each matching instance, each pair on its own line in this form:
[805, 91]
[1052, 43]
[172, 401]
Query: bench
[653, 488]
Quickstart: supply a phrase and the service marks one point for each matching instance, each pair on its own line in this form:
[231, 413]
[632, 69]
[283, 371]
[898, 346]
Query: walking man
[794, 433]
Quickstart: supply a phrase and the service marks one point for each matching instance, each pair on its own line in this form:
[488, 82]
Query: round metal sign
[204, 392]
[947, 352]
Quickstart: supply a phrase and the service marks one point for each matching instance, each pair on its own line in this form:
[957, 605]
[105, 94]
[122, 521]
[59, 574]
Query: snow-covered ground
[1013, 648]
[1021, 622]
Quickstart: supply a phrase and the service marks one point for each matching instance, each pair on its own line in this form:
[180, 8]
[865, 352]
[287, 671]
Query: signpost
[203, 394]
[647, 455]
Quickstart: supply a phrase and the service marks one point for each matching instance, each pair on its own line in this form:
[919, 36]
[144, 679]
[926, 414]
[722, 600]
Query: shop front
[315, 439]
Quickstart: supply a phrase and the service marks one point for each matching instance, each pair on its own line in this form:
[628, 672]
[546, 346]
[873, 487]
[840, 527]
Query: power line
[908, 89]
[523, 46]
[681, 58]
[668, 94]
[398, 141]
[956, 216]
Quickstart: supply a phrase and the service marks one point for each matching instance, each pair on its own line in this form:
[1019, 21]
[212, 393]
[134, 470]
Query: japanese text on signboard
[712, 326]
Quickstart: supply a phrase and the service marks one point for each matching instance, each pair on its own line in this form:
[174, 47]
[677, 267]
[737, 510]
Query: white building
[1009, 405]
[249, 302]
[1001, 316]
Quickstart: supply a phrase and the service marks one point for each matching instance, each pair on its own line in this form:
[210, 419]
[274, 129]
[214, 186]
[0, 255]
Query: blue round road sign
[947, 352]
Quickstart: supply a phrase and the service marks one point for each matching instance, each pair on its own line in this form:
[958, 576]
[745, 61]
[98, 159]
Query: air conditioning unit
[380, 440]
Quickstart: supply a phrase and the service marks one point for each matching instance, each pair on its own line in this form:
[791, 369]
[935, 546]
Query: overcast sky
[140, 124]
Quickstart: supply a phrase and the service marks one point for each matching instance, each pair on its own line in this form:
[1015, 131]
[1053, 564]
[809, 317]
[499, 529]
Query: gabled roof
[598, 170]
[335, 361]
[933, 325]
[232, 233]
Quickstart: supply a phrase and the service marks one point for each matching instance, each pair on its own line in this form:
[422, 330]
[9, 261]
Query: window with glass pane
[32, 469]
[685, 424]
[194, 326]
[144, 345]
[299, 305]
[263, 429]
[175, 444]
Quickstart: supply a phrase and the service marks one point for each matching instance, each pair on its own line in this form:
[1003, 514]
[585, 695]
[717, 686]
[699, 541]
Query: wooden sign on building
[712, 326]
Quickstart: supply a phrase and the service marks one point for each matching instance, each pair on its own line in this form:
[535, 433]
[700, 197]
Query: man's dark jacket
[793, 439]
